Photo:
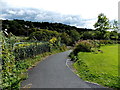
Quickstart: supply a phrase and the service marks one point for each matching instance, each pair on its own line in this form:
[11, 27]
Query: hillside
[21, 27]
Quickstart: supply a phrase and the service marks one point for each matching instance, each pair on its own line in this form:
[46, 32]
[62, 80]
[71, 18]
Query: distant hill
[21, 27]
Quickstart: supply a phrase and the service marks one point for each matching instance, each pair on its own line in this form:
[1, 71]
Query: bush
[108, 42]
[63, 47]
[43, 35]
[83, 46]
[10, 79]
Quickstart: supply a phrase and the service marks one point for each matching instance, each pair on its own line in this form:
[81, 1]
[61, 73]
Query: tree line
[44, 31]
[21, 27]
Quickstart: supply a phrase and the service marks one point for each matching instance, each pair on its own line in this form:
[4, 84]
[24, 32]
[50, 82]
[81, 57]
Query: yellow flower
[53, 40]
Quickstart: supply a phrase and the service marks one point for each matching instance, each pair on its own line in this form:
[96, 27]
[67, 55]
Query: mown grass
[101, 68]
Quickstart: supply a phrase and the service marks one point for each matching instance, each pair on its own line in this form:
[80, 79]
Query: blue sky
[80, 13]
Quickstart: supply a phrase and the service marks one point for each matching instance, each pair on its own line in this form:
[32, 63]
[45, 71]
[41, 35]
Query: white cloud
[21, 12]
[87, 9]
[11, 12]
[42, 16]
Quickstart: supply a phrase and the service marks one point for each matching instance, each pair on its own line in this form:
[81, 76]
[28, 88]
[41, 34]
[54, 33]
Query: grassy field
[100, 68]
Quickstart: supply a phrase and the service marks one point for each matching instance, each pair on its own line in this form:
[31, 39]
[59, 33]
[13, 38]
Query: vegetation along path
[54, 73]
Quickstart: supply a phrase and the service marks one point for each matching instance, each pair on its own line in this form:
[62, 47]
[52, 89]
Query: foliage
[44, 31]
[18, 58]
[114, 35]
[107, 35]
[105, 42]
[43, 35]
[119, 36]
[63, 47]
[90, 35]
[89, 46]
[10, 74]
[30, 51]
[103, 23]
[115, 26]
[21, 39]
[53, 40]
[75, 36]
[21, 27]
[85, 46]
[65, 38]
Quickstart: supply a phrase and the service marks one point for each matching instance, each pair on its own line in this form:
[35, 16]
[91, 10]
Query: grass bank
[101, 68]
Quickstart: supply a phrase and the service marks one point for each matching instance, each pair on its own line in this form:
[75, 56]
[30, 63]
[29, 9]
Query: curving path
[53, 73]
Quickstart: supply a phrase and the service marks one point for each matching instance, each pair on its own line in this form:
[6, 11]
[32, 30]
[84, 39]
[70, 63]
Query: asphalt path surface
[54, 73]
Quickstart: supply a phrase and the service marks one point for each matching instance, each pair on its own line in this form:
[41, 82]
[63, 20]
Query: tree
[118, 36]
[115, 26]
[65, 38]
[88, 35]
[113, 35]
[102, 23]
[44, 35]
[107, 35]
[74, 35]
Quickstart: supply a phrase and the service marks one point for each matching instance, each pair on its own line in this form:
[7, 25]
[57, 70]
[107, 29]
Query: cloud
[41, 15]
[64, 11]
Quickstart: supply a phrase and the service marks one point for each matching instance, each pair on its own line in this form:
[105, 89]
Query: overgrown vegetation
[43, 31]
[10, 74]
[17, 57]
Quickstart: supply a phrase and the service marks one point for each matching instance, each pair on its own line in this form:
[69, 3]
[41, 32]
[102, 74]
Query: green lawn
[101, 68]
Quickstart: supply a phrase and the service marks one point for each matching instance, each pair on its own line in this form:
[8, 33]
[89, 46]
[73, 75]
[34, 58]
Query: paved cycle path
[53, 73]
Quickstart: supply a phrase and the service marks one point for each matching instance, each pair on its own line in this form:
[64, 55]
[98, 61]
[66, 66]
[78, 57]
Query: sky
[80, 13]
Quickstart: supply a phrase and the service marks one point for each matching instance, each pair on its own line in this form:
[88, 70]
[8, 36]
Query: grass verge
[101, 68]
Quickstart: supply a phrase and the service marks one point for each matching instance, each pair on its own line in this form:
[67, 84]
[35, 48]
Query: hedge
[31, 51]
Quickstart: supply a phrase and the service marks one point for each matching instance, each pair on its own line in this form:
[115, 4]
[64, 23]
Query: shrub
[83, 46]
[10, 73]
[43, 35]
[104, 42]
[63, 47]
